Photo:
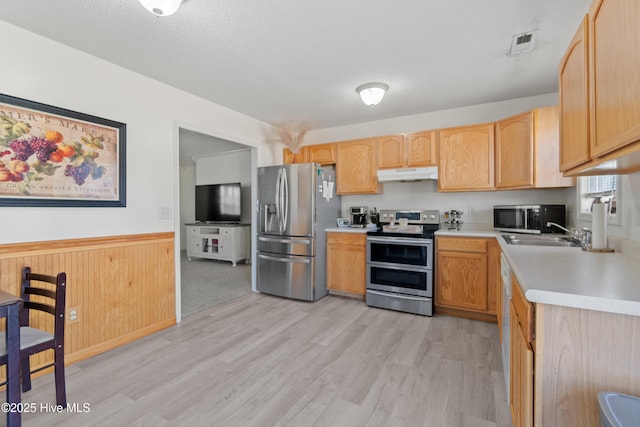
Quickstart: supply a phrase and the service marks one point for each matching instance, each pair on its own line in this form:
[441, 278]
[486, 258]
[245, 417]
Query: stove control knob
[432, 216]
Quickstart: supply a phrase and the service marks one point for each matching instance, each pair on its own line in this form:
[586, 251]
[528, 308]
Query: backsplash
[477, 207]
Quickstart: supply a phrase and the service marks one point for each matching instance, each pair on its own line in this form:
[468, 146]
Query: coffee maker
[359, 216]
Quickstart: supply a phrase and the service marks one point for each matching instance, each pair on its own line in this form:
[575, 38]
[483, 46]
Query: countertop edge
[347, 230]
[559, 298]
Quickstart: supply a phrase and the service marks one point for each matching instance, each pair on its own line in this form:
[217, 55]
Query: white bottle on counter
[599, 224]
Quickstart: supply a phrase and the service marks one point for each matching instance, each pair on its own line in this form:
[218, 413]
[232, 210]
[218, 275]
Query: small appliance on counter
[453, 218]
[359, 216]
[530, 219]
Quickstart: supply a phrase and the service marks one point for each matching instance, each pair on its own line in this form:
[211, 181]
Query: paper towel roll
[599, 225]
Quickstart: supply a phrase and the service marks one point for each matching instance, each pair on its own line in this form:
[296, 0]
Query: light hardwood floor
[261, 361]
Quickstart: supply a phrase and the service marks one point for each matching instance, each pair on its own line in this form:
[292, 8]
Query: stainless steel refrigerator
[296, 203]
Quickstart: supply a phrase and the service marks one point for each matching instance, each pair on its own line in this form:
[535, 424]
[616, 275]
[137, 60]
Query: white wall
[425, 195]
[474, 114]
[48, 72]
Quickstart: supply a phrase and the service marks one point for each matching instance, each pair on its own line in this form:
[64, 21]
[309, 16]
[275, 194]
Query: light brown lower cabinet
[466, 273]
[346, 263]
[521, 359]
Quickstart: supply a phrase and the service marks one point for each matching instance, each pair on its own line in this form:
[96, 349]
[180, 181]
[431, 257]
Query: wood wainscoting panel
[122, 287]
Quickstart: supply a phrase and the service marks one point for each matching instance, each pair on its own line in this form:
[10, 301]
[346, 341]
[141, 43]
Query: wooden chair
[33, 340]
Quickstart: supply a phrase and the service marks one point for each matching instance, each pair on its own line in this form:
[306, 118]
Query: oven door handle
[403, 296]
[401, 241]
[403, 267]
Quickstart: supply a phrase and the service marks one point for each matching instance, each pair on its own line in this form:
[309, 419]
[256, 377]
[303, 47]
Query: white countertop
[570, 277]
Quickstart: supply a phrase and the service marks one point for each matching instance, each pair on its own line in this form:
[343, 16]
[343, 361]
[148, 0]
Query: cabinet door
[613, 73]
[346, 263]
[521, 375]
[514, 152]
[391, 152]
[546, 131]
[466, 158]
[356, 167]
[421, 149]
[494, 278]
[462, 280]
[325, 154]
[574, 101]
[288, 157]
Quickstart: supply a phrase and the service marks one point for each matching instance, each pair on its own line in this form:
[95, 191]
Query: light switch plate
[164, 212]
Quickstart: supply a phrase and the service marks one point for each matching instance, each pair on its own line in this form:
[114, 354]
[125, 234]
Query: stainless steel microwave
[528, 218]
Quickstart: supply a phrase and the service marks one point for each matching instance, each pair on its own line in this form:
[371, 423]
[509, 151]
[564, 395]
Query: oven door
[404, 252]
[400, 279]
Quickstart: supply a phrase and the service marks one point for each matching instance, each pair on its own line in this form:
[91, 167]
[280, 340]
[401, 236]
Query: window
[605, 187]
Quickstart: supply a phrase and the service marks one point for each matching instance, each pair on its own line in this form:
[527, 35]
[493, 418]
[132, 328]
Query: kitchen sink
[541, 240]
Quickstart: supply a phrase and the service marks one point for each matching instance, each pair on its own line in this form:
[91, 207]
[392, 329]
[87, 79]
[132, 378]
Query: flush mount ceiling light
[161, 7]
[372, 93]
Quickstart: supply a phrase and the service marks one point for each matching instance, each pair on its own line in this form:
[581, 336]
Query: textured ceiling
[299, 61]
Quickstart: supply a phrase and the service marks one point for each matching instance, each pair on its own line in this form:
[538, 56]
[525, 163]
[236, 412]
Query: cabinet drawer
[524, 310]
[462, 244]
[344, 238]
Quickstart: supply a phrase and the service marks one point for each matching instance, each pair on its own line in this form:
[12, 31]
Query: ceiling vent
[522, 43]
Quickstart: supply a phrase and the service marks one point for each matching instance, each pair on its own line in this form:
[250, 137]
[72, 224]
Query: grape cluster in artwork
[26, 157]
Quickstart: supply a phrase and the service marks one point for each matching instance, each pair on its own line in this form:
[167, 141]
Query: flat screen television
[218, 202]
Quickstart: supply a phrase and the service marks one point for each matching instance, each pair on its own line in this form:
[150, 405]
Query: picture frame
[51, 156]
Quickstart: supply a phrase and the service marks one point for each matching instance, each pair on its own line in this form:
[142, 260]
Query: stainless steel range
[400, 261]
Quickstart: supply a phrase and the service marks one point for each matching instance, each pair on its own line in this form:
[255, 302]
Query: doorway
[205, 159]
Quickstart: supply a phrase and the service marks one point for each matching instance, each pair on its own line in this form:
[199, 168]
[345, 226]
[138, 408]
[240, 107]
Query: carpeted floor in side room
[206, 283]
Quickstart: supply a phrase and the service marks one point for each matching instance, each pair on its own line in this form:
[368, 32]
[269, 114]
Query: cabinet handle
[300, 242]
[287, 260]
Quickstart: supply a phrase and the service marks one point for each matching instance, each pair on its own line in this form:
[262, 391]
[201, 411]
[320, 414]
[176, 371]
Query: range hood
[408, 174]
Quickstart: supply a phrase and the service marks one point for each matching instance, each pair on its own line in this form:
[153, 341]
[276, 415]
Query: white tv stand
[225, 242]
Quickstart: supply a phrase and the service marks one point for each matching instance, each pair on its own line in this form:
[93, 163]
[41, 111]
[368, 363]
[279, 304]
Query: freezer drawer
[286, 245]
[287, 276]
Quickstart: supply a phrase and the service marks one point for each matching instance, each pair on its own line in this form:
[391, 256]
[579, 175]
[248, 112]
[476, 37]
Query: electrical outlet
[164, 212]
[471, 211]
[73, 314]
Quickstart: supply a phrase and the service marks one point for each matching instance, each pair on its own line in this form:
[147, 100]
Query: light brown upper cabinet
[288, 157]
[514, 152]
[421, 149]
[466, 158]
[356, 167]
[325, 154]
[527, 151]
[613, 104]
[413, 150]
[391, 152]
[615, 81]
[574, 101]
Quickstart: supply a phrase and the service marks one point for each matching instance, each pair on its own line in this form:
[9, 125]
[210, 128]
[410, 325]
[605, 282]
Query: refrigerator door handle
[286, 260]
[302, 241]
[277, 201]
[285, 199]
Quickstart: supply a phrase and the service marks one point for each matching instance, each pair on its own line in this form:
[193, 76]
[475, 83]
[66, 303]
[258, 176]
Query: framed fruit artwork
[51, 156]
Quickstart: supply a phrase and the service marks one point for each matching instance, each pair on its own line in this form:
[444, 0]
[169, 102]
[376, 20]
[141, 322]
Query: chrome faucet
[583, 237]
[572, 232]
